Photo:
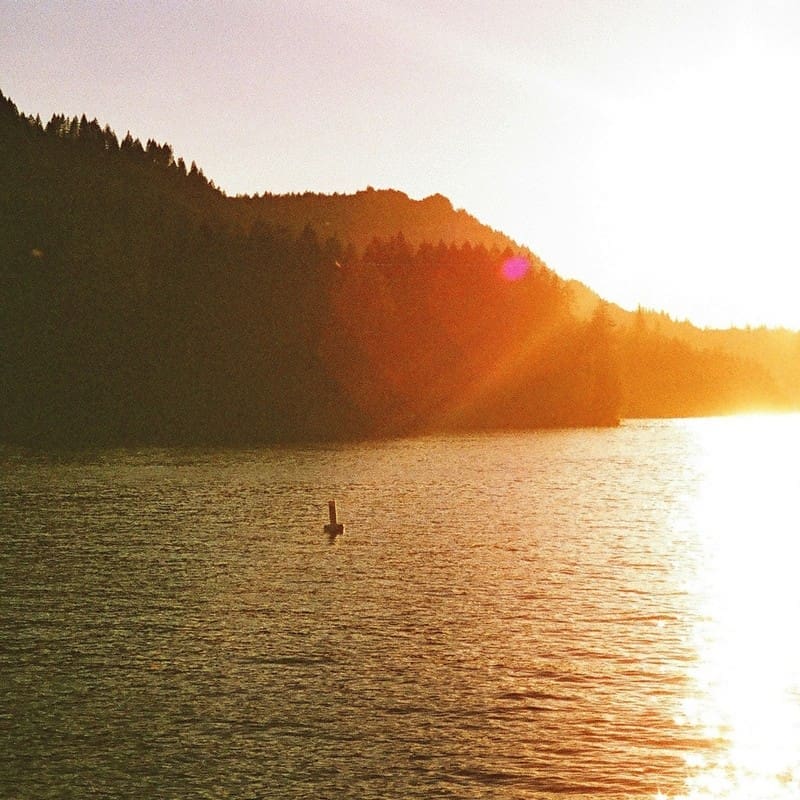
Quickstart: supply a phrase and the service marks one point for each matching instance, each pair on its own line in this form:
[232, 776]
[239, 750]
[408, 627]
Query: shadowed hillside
[139, 303]
[361, 217]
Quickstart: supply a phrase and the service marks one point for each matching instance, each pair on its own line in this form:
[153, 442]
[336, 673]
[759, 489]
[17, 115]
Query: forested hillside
[139, 303]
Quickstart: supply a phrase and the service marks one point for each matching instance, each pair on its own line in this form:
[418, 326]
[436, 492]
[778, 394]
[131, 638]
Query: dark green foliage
[140, 304]
[132, 311]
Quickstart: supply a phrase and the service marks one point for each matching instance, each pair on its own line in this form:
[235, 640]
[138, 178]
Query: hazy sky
[648, 148]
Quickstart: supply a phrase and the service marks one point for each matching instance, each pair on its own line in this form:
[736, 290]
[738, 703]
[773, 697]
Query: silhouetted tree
[140, 304]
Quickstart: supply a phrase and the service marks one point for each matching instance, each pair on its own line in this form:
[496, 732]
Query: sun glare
[707, 172]
[515, 268]
[747, 680]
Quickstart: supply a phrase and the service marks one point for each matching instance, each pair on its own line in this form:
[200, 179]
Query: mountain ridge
[141, 303]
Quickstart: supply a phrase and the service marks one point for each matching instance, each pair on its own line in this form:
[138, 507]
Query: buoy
[333, 528]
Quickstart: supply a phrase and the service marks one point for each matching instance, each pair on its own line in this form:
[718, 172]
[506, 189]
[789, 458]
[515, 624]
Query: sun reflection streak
[746, 700]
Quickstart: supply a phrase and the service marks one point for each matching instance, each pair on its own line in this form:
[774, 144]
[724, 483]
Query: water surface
[597, 613]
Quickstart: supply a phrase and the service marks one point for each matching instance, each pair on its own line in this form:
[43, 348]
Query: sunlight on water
[601, 613]
[747, 678]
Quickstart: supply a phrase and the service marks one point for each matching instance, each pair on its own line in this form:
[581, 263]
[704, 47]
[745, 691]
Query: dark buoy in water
[333, 528]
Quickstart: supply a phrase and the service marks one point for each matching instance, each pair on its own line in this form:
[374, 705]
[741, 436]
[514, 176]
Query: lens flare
[515, 268]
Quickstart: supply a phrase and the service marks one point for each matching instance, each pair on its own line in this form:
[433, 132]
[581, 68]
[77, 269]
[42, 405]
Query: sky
[648, 148]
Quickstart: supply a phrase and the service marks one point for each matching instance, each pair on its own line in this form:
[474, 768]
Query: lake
[583, 613]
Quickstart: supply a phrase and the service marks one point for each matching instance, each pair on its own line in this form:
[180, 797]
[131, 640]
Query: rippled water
[601, 613]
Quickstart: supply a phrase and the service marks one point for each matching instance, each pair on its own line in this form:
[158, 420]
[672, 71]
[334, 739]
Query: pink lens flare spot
[515, 269]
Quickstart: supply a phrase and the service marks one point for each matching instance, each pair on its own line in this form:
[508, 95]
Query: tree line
[140, 304]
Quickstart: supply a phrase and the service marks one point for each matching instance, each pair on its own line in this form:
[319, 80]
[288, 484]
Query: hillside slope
[139, 303]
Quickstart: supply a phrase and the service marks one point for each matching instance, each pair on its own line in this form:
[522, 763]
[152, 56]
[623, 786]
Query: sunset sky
[650, 149]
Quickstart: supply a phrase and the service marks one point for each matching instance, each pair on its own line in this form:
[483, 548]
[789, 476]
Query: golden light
[746, 697]
[710, 167]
